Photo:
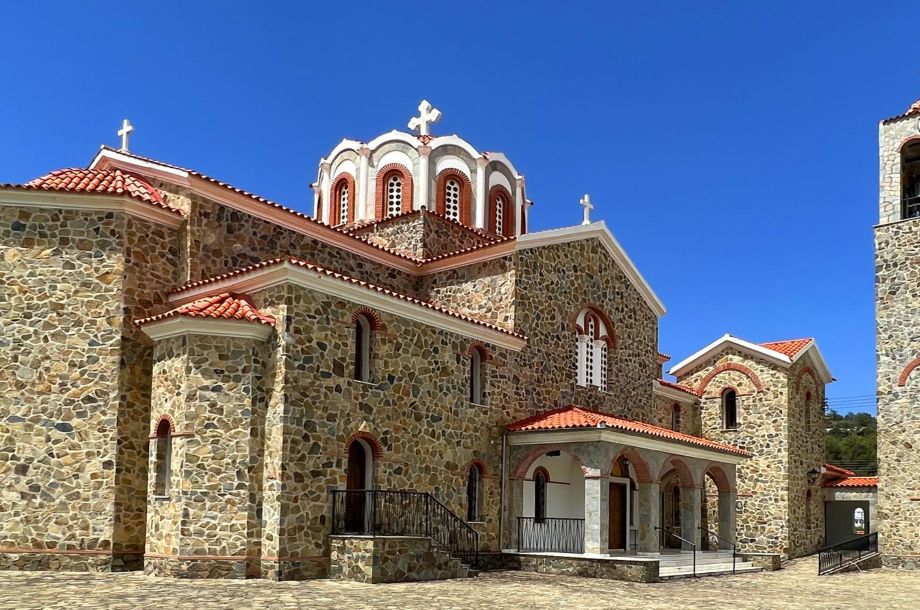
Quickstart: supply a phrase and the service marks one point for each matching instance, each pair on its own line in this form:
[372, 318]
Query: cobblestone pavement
[796, 586]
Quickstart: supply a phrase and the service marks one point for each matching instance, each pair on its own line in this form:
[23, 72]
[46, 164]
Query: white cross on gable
[126, 129]
[588, 206]
[428, 114]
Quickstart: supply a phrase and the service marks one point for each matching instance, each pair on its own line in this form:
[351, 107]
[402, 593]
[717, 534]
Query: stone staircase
[707, 564]
[393, 559]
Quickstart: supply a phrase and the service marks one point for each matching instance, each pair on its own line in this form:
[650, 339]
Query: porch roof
[573, 417]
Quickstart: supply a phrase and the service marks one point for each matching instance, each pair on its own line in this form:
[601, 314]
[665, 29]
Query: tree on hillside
[851, 442]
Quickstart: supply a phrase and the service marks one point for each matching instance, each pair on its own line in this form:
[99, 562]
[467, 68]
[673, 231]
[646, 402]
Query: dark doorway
[356, 483]
[617, 524]
[670, 511]
[846, 519]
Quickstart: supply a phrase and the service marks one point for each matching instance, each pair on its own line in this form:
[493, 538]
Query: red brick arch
[508, 220]
[481, 348]
[521, 471]
[483, 469]
[380, 190]
[907, 142]
[367, 437]
[805, 371]
[643, 472]
[372, 317]
[907, 370]
[156, 424]
[730, 366]
[335, 204]
[719, 477]
[466, 194]
[683, 472]
[610, 337]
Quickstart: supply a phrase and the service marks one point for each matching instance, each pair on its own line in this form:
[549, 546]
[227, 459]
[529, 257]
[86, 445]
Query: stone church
[197, 381]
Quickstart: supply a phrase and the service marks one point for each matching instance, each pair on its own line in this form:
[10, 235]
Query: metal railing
[725, 540]
[910, 207]
[668, 532]
[380, 512]
[838, 555]
[551, 535]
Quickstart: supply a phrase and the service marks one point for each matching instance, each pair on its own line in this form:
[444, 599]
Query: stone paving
[797, 586]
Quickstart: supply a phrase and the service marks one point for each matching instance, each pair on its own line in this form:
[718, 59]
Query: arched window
[342, 211]
[474, 493]
[729, 409]
[163, 456]
[452, 199]
[501, 214]
[362, 348]
[476, 377]
[593, 339]
[910, 180]
[540, 479]
[394, 190]
[675, 417]
[809, 416]
[859, 522]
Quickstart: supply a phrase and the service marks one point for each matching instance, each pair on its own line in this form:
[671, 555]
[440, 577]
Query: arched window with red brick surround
[393, 191]
[594, 335]
[454, 196]
[343, 200]
[501, 212]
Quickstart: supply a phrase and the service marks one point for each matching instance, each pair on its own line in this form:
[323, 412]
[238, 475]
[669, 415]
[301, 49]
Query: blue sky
[731, 147]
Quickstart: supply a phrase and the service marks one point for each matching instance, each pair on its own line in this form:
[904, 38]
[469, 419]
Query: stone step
[687, 560]
[742, 567]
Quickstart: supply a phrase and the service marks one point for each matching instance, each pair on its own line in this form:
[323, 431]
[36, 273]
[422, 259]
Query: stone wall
[763, 430]
[486, 291]
[891, 136]
[207, 525]
[690, 418]
[422, 234]
[391, 559]
[897, 252]
[61, 312]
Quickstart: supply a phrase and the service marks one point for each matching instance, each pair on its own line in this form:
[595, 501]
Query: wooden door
[617, 523]
[356, 480]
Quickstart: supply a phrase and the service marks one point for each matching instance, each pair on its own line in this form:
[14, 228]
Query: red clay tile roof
[98, 182]
[677, 386]
[345, 278]
[262, 200]
[789, 348]
[912, 110]
[224, 306]
[854, 482]
[839, 470]
[577, 417]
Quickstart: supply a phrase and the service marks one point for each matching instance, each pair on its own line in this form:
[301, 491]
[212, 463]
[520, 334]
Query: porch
[587, 484]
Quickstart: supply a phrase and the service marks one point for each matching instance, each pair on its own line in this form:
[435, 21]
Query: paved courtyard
[797, 586]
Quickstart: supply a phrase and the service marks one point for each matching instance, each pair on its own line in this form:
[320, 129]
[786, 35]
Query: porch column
[727, 515]
[691, 500]
[597, 514]
[649, 516]
[515, 510]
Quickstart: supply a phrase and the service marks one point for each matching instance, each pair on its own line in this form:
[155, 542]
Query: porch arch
[534, 454]
[639, 464]
[684, 474]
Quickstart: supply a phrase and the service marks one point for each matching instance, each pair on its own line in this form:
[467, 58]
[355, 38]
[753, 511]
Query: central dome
[399, 172]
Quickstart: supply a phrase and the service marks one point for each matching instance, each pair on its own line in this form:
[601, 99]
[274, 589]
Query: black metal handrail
[382, 512]
[833, 557]
[551, 535]
[692, 544]
[910, 207]
[726, 540]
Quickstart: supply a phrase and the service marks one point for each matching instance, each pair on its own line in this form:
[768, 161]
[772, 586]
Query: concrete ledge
[630, 569]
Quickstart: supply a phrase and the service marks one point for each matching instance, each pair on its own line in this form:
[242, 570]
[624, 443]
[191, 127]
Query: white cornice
[286, 272]
[184, 325]
[753, 349]
[599, 231]
[90, 201]
[672, 393]
[587, 435]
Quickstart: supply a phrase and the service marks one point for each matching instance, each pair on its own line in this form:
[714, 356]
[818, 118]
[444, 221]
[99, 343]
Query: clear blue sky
[731, 147]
